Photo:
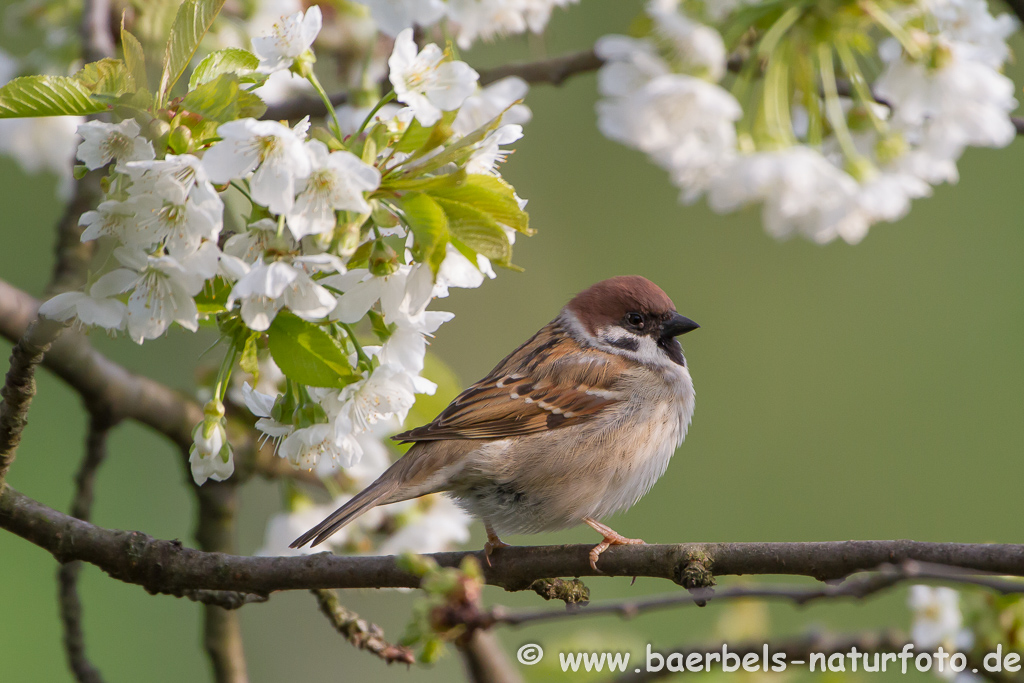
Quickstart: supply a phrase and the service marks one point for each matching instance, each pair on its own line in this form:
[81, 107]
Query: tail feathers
[369, 497]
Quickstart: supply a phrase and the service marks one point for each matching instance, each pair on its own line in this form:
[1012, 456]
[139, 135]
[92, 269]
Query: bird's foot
[611, 537]
[492, 544]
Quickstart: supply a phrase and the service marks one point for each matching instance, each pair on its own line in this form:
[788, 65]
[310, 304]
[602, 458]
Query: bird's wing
[544, 384]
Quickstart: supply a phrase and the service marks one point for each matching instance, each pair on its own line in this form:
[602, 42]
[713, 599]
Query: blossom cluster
[743, 103]
[474, 19]
[324, 286]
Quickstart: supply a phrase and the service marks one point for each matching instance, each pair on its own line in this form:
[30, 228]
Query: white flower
[43, 144]
[289, 38]
[387, 392]
[407, 346]
[441, 526]
[104, 142]
[120, 220]
[392, 16]
[285, 527]
[963, 102]
[937, 618]
[404, 293]
[97, 307]
[268, 287]
[164, 288]
[970, 23]
[489, 18]
[426, 82]
[273, 149]
[700, 48]
[210, 466]
[261, 405]
[501, 96]
[802, 191]
[488, 154]
[684, 123]
[336, 182]
[630, 63]
[304, 447]
[458, 271]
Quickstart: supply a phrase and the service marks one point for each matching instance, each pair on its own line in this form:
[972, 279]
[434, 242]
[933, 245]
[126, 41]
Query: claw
[611, 537]
[492, 544]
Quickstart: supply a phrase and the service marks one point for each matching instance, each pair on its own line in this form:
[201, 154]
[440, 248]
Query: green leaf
[223, 99]
[307, 354]
[431, 182]
[493, 196]
[249, 360]
[106, 77]
[134, 58]
[456, 153]
[191, 23]
[476, 230]
[46, 96]
[429, 226]
[231, 60]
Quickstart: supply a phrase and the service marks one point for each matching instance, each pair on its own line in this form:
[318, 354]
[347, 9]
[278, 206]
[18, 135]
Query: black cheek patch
[627, 343]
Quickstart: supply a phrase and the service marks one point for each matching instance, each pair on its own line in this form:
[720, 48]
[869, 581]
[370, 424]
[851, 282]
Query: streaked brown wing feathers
[544, 384]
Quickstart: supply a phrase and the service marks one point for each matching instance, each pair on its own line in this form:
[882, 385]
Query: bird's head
[631, 316]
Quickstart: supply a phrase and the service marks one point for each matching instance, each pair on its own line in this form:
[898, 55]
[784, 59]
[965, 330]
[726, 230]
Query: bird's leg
[611, 537]
[492, 543]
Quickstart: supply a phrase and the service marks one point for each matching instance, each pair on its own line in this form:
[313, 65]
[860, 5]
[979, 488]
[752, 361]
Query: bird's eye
[635, 319]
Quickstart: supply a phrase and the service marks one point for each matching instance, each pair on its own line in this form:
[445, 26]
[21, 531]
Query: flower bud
[383, 259]
[180, 139]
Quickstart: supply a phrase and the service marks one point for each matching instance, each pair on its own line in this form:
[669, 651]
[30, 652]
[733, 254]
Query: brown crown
[610, 300]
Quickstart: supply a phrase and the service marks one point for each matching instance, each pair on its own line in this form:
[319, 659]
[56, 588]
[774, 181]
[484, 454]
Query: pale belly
[552, 481]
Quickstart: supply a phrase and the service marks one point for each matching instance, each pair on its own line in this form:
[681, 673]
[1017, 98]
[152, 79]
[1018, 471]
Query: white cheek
[646, 352]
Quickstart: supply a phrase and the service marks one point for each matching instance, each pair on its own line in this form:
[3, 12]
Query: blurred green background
[844, 392]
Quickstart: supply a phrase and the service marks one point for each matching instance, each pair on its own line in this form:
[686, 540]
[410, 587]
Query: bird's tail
[371, 496]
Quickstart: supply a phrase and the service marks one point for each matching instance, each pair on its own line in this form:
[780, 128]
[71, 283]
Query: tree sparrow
[574, 425]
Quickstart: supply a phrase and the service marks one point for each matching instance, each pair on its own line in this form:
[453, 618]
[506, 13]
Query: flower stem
[833, 107]
[238, 186]
[327, 103]
[363, 358]
[224, 372]
[893, 27]
[369, 117]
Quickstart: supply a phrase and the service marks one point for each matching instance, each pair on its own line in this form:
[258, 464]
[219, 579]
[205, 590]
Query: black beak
[677, 325]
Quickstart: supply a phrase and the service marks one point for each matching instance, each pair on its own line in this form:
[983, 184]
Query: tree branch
[20, 387]
[97, 40]
[485, 660]
[859, 588]
[553, 71]
[215, 532]
[99, 381]
[168, 567]
[357, 631]
[67, 575]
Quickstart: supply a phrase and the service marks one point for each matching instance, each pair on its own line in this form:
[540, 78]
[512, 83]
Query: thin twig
[168, 567]
[859, 588]
[67, 575]
[357, 631]
[553, 71]
[20, 387]
[485, 660]
[215, 533]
